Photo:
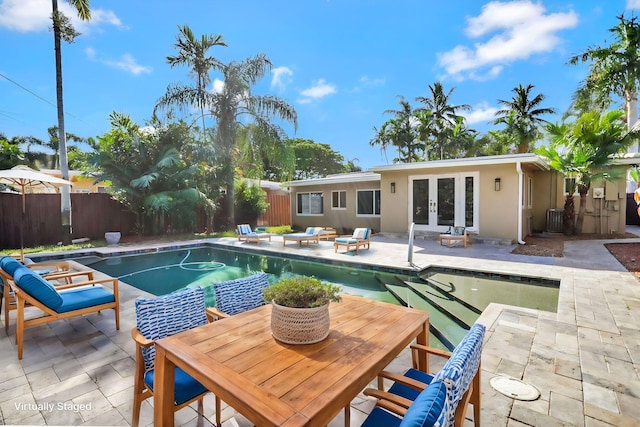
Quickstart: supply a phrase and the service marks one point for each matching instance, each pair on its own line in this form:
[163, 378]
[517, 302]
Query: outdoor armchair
[361, 237]
[158, 318]
[51, 270]
[245, 233]
[61, 302]
[461, 374]
[456, 234]
[238, 295]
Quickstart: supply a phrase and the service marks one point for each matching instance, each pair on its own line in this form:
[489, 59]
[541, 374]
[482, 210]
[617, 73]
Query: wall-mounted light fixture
[497, 184]
[393, 187]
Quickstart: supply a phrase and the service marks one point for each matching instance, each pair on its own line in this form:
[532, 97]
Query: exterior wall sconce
[497, 184]
[393, 187]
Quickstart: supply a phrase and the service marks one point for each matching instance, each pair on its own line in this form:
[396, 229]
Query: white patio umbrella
[24, 177]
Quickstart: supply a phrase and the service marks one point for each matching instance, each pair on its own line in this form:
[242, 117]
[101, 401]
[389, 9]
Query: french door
[440, 201]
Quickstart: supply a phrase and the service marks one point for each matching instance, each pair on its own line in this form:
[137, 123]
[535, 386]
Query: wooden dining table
[277, 384]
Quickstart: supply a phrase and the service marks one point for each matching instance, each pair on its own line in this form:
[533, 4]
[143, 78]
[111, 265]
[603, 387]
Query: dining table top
[277, 384]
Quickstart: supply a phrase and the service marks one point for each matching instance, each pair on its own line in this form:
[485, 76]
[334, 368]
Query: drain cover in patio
[514, 388]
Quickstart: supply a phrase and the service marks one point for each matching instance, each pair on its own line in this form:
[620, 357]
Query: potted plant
[300, 309]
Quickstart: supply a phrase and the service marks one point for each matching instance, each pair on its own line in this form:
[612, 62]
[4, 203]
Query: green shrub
[302, 292]
[279, 229]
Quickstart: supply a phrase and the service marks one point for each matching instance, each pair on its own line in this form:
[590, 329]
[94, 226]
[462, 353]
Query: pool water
[454, 299]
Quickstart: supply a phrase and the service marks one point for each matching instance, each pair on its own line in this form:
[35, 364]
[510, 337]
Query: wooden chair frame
[449, 237]
[141, 392]
[253, 237]
[365, 243]
[62, 272]
[24, 299]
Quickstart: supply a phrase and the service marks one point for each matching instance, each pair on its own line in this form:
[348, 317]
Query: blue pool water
[454, 299]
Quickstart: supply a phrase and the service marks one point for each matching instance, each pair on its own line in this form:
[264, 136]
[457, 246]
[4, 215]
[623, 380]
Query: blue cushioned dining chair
[461, 373]
[238, 295]
[158, 318]
[429, 409]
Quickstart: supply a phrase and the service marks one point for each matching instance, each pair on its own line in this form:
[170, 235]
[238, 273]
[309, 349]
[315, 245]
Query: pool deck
[584, 359]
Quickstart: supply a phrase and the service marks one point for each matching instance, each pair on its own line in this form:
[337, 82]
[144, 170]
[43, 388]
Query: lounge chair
[361, 237]
[53, 270]
[61, 302]
[455, 234]
[245, 233]
[408, 394]
[158, 318]
[238, 295]
[311, 235]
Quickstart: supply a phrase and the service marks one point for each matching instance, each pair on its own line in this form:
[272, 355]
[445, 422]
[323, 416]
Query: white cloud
[35, 15]
[366, 82]
[218, 85]
[517, 30]
[281, 78]
[481, 113]
[319, 89]
[633, 4]
[127, 62]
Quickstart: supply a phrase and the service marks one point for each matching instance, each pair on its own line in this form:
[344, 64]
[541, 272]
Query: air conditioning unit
[598, 193]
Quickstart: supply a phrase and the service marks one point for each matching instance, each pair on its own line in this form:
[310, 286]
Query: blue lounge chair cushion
[10, 265]
[185, 388]
[238, 295]
[167, 315]
[31, 282]
[429, 409]
[76, 299]
[346, 240]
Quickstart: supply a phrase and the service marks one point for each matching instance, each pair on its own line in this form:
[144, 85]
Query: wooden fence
[92, 214]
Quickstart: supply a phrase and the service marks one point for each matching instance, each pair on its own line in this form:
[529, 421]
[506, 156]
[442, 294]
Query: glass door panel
[446, 201]
[421, 201]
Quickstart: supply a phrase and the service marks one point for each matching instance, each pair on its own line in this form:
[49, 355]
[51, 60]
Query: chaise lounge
[245, 233]
[311, 235]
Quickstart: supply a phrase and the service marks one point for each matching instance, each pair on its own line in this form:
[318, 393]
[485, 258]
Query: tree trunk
[230, 206]
[568, 218]
[632, 116]
[65, 191]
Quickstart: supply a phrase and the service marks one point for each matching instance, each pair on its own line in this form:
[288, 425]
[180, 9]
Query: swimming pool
[454, 298]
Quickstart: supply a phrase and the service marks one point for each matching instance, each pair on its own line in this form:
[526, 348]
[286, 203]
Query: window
[368, 202]
[568, 184]
[310, 203]
[339, 200]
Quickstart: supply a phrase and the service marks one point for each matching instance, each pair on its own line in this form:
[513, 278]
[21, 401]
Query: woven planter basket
[299, 325]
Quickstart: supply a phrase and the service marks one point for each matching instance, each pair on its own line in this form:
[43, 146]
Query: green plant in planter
[302, 292]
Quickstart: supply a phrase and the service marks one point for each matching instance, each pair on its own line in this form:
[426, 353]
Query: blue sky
[340, 63]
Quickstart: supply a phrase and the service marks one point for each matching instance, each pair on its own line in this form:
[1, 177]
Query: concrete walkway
[584, 359]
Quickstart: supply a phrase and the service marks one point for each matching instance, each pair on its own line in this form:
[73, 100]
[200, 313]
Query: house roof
[339, 178]
[533, 159]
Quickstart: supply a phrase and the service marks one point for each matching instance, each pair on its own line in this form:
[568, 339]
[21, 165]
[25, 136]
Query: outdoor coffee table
[275, 384]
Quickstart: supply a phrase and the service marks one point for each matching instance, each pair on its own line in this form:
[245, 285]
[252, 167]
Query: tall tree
[235, 106]
[614, 69]
[315, 160]
[443, 117]
[523, 116]
[583, 150]
[193, 53]
[62, 29]
[400, 132]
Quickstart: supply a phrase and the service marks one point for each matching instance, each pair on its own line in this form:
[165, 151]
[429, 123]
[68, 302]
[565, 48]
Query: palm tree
[583, 150]
[234, 106]
[614, 69]
[62, 29]
[192, 53]
[444, 117]
[523, 112]
[400, 132]
[53, 161]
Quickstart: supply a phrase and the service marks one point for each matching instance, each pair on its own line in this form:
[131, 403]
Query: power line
[40, 98]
